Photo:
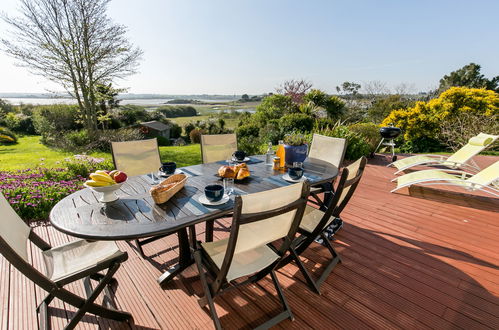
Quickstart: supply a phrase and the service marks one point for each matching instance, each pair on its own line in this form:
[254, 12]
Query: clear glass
[269, 156]
[228, 186]
[154, 178]
[298, 164]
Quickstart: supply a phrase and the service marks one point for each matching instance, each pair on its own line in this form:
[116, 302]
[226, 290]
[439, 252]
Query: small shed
[155, 128]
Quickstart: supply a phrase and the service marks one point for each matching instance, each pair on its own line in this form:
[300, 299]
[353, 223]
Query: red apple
[120, 177]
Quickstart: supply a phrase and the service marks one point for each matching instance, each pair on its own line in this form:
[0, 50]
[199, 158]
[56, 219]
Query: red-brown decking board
[417, 259]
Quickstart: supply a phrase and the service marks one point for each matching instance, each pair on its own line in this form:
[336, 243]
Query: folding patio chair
[315, 223]
[64, 264]
[331, 150]
[248, 256]
[460, 159]
[217, 147]
[487, 180]
[214, 148]
[138, 158]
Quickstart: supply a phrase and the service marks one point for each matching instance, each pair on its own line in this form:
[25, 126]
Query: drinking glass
[228, 186]
[297, 164]
[154, 178]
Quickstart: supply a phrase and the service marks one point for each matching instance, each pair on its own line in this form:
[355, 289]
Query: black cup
[168, 167]
[295, 173]
[239, 155]
[214, 192]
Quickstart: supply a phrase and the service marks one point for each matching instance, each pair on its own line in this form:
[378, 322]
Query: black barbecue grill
[388, 135]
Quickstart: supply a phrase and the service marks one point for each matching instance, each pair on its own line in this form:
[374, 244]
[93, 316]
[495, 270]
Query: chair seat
[243, 263]
[311, 218]
[75, 257]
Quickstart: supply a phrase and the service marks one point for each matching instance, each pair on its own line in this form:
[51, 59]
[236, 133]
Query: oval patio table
[135, 215]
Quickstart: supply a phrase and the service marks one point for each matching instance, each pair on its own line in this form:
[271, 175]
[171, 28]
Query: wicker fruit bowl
[162, 192]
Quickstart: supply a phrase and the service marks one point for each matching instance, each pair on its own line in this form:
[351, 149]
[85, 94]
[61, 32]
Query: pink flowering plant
[33, 192]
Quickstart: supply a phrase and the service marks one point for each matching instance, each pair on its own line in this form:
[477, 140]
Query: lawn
[29, 152]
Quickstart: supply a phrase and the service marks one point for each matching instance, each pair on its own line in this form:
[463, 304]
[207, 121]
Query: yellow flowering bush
[426, 119]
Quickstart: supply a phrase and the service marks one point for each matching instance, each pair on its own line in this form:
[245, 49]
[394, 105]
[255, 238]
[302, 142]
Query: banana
[112, 173]
[92, 183]
[101, 172]
[102, 177]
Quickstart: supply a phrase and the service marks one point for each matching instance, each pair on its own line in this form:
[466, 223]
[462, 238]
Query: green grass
[29, 152]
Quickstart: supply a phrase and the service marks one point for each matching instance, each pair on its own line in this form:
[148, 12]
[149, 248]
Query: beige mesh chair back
[217, 147]
[64, 264]
[259, 219]
[329, 149]
[315, 222]
[136, 157]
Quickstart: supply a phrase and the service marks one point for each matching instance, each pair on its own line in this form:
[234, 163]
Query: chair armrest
[38, 241]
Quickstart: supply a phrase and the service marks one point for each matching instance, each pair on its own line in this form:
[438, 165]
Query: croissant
[243, 173]
[226, 172]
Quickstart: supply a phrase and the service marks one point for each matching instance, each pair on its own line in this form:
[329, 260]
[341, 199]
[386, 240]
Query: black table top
[135, 215]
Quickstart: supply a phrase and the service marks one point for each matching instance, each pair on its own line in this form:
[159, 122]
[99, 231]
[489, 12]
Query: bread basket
[161, 195]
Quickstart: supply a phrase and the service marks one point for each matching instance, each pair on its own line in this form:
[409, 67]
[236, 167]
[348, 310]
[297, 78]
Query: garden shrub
[188, 128]
[248, 130]
[271, 132]
[20, 123]
[82, 166]
[7, 136]
[251, 145]
[369, 131]
[274, 107]
[132, 114]
[195, 135]
[296, 122]
[162, 141]
[357, 146]
[175, 130]
[51, 121]
[426, 119]
[170, 111]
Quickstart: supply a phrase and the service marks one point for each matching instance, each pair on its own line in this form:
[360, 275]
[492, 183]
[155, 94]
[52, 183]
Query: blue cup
[239, 155]
[295, 173]
[214, 192]
[168, 167]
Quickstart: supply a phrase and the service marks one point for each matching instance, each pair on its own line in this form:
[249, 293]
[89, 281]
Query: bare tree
[375, 88]
[73, 43]
[295, 88]
[404, 88]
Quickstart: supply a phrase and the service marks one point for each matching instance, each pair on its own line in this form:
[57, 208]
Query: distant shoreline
[123, 101]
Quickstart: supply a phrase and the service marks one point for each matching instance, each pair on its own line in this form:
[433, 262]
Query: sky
[252, 46]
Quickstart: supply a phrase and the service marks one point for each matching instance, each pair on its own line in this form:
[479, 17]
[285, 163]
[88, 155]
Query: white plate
[164, 175]
[203, 200]
[246, 159]
[286, 177]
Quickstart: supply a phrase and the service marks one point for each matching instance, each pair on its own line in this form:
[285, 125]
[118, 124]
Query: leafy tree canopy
[468, 76]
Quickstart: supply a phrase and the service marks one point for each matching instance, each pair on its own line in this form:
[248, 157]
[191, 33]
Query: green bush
[175, 130]
[357, 146]
[188, 128]
[50, 121]
[251, 145]
[7, 136]
[248, 130]
[162, 141]
[83, 165]
[195, 135]
[298, 122]
[271, 132]
[19, 122]
[422, 144]
[132, 114]
[177, 111]
[369, 131]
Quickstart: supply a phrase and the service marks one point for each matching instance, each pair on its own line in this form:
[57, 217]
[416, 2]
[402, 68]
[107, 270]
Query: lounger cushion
[243, 263]
[428, 175]
[77, 256]
[412, 160]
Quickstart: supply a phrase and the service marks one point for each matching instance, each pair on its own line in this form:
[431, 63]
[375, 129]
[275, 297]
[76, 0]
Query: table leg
[185, 259]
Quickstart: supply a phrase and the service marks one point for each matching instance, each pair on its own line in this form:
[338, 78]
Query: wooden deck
[424, 258]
